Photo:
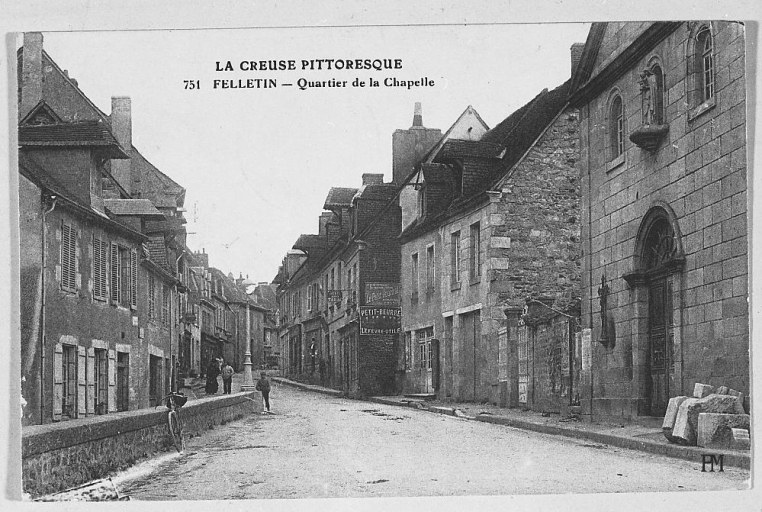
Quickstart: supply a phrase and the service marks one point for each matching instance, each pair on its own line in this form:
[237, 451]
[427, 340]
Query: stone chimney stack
[409, 146]
[121, 126]
[576, 56]
[325, 217]
[417, 115]
[31, 73]
[202, 258]
[372, 179]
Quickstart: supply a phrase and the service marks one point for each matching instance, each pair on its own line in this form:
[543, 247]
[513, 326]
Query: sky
[257, 163]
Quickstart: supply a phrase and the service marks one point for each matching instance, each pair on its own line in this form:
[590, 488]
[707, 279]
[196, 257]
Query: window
[101, 381]
[69, 371]
[424, 337]
[455, 257]
[706, 64]
[475, 256]
[430, 270]
[350, 286]
[151, 298]
[124, 272]
[165, 304]
[414, 276]
[354, 284]
[122, 381]
[68, 258]
[99, 268]
[616, 127]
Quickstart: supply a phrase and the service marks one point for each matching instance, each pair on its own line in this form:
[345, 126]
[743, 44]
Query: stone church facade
[664, 214]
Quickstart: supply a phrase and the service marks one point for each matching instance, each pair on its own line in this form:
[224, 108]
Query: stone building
[339, 292]
[664, 231]
[99, 267]
[496, 222]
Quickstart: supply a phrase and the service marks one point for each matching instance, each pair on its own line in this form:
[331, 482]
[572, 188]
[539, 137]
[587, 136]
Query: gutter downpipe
[43, 300]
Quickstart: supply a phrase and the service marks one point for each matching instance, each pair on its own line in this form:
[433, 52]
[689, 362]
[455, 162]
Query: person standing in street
[212, 371]
[227, 378]
[263, 386]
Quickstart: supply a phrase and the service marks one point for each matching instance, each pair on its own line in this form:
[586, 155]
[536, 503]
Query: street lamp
[248, 380]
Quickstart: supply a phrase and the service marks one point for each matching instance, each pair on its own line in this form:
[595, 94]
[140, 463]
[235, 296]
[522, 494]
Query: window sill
[455, 286]
[616, 162]
[702, 109]
[475, 280]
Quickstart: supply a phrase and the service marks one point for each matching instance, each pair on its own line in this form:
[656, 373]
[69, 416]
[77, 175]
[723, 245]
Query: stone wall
[62, 455]
[698, 173]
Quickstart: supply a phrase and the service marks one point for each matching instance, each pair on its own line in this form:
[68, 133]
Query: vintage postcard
[383, 261]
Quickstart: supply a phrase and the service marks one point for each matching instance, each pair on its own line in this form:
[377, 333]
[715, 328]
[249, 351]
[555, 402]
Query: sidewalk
[645, 437]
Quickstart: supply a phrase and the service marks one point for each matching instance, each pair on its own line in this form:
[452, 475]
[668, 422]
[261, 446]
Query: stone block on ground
[702, 390]
[671, 416]
[714, 429]
[723, 404]
[682, 431]
[722, 390]
[741, 439]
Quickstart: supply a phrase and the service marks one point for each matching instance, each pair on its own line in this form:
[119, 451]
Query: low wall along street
[58, 456]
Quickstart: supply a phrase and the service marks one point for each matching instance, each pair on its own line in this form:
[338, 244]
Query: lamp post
[248, 380]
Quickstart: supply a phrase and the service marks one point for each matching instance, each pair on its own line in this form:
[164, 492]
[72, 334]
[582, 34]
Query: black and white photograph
[471, 260]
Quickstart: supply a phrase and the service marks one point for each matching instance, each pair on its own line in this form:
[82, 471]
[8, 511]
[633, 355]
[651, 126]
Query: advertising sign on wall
[379, 320]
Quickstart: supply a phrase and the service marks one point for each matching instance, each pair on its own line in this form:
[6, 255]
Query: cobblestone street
[315, 446]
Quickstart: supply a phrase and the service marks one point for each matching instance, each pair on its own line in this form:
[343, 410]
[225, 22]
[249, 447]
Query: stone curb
[689, 453]
[308, 387]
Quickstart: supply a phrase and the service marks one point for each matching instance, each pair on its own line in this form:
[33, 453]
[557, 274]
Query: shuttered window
[68, 258]
[99, 268]
[116, 273]
[164, 304]
[151, 298]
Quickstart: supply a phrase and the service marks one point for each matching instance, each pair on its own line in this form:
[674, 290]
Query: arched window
[705, 62]
[616, 127]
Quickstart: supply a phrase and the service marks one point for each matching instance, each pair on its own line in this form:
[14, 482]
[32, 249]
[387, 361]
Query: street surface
[317, 446]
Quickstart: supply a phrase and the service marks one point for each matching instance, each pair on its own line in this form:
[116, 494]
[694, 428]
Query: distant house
[663, 166]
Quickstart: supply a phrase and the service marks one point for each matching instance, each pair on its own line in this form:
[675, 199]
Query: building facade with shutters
[99, 274]
[663, 168]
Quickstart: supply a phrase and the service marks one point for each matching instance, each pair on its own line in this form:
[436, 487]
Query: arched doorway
[659, 260]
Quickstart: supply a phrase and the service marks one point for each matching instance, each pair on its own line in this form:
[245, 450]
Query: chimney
[121, 126]
[325, 217]
[31, 73]
[576, 56]
[417, 115]
[202, 258]
[409, 146]
[372, 179]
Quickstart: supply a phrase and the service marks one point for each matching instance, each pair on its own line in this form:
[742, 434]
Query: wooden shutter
[81, 381]
[111, 381]
[99, 268]
[133, 279]
[90, 382]
[115, 287]
[68, 257]
[58, 384]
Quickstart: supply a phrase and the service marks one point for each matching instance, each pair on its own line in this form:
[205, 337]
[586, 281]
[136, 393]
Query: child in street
[263, 385]
[227, 378]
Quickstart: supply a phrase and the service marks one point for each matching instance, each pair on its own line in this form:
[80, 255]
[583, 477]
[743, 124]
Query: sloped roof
[339, 197]
[137, 207]
[157, 251]
[155, 185]
[436, 173]
[516, 133]
[309, 242]
[377, 192]
[455, 148]
[81, 134]
[32, 171]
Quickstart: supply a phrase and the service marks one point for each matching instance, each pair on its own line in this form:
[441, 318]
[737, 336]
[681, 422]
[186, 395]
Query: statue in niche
[648, 89]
